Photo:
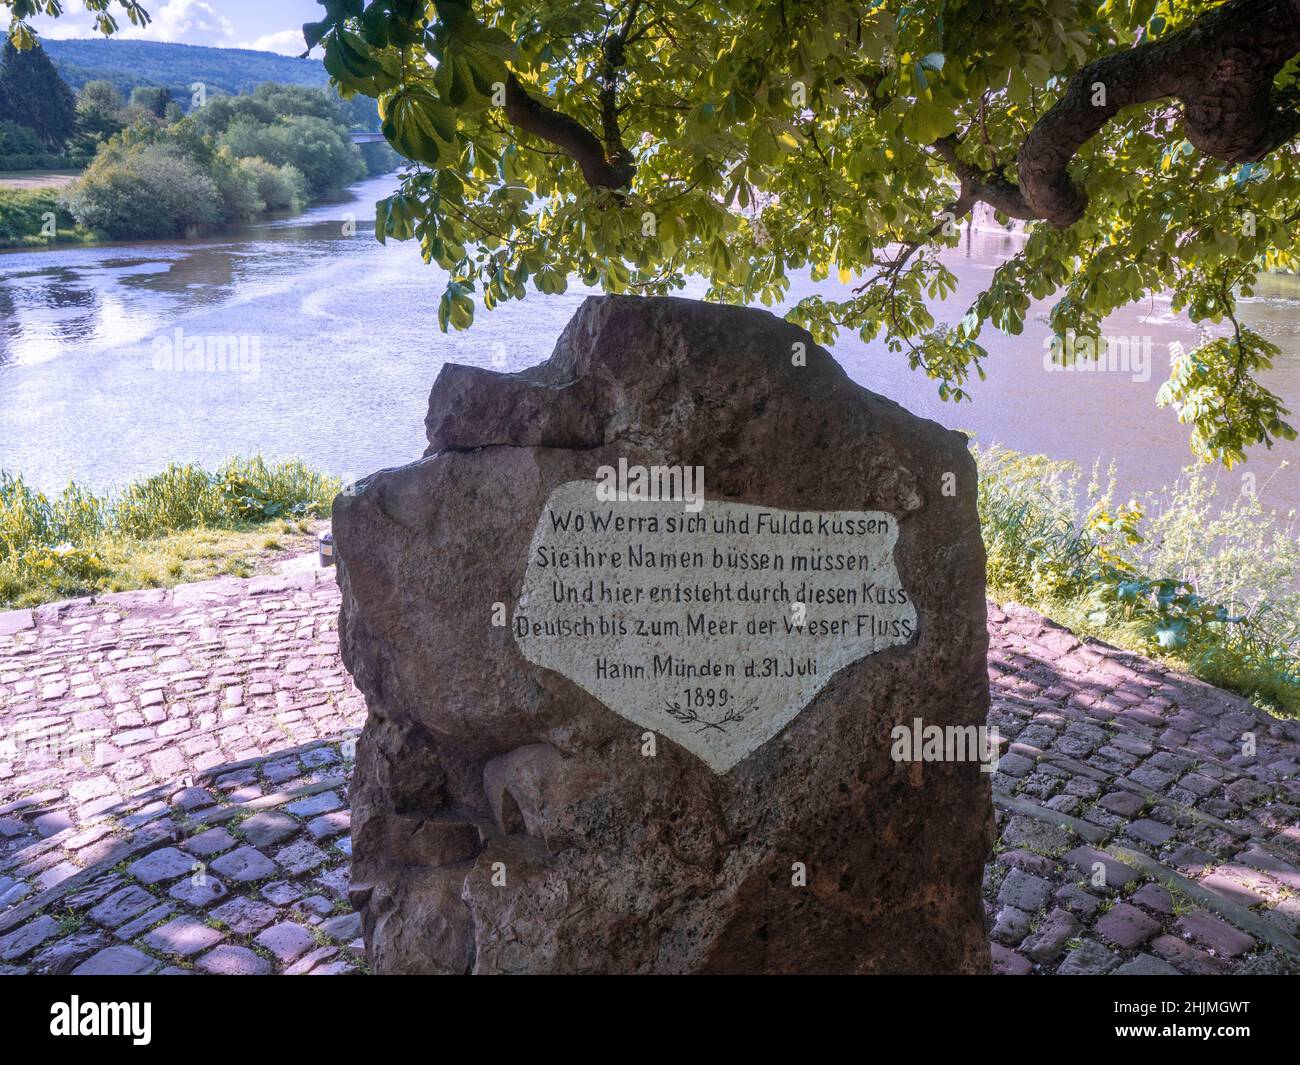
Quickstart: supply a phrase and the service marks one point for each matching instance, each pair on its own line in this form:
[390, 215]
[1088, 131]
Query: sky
[265, 25]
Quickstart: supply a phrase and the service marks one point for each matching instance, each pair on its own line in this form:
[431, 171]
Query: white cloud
[69, 25]
[177, 21]
[286, 42]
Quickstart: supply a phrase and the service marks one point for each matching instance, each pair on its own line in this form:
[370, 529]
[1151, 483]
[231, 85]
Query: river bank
[37, 179]
[1213, 589]
[33, 218]
[348, 345]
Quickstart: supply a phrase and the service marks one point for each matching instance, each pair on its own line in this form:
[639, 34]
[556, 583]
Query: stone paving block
[1079, 902]
[117, 961]
[121, 906]
[319, 758]
[198, 891]
[335, 881]
[286, 940]
[52, 823]
[280, 771]
[1015, 765]
[57, 874]
[1009, 963]
[1036, 835]
[1123, 803]
[300, 857]
[268, 828]
[161, 865]
[280, 892]
[61, 956]
[206, 844]
[144, 922]
[330, 824]
[1215, 935]
[244, 916]
[167, 763]
[1153, 897]
[344, 928]
[1118, 875]
[1010, 926]
[317, 904]
[1146, 965]
[243, 865]
[334, 968]
[310, 960]
[228, 960]
[184, 936]
[1090, 958]
[1152, 832]
[1024, 890]
[26, 938]
[1125, 926]
[193, 799]
[312, 805]
[1187, 958]
[1049, 940]
[1190, 860]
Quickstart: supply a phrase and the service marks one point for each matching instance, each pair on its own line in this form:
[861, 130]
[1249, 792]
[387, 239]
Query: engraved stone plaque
[714, 627]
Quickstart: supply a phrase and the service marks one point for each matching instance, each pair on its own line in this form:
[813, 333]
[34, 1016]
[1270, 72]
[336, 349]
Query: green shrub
[18, 140]
[146, 190]
[24, 214]
[280, 188]
[59, 543]
[72, 160]
[237, 188]
[319, 149]
[1213, 584]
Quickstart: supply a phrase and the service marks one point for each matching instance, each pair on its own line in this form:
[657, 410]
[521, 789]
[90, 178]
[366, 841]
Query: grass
[1206, 582]
[24, 218]
[1209, 585]
[183, 524]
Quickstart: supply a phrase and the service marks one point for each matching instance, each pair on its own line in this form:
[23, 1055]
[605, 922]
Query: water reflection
[349, 345]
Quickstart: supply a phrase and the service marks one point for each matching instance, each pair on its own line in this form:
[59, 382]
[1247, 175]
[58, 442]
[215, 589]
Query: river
[343, 344]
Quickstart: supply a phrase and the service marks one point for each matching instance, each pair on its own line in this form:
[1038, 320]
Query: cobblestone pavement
[1135, 835]
[173, 796]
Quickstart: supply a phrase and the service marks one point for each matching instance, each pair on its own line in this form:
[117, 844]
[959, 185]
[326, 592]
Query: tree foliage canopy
[33, 95]
[1147, 144]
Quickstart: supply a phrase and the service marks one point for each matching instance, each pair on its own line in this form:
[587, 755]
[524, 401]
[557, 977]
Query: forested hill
[177, 66]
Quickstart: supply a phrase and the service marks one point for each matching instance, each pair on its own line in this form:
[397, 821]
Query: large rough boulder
[512, 814]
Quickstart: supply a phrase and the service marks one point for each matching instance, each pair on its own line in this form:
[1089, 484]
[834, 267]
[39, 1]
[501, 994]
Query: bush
[23, 218]
[280, 188]
[237, 188]
[1180, 573]
[45, 161]
[21, 149]
[58, 544]
[149, 190]
[18, 140]
[101, 112]
[317, 148]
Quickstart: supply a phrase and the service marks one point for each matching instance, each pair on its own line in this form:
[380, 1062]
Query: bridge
[364, 136]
